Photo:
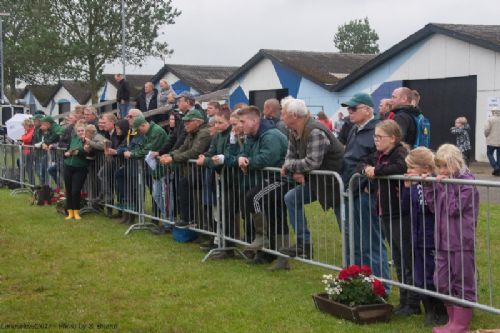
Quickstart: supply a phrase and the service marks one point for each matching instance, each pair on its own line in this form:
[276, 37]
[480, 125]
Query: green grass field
[57, 273]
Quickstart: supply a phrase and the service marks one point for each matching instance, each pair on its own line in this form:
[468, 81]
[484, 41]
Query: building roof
[217, 95]
[136, 82]
[487, 36]
[323, 68]
[79, 90]
[42, 92]
[204, 79]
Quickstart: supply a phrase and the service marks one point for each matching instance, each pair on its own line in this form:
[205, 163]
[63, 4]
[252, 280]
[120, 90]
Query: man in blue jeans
[122, 95]
[311, 146]
[369, 246]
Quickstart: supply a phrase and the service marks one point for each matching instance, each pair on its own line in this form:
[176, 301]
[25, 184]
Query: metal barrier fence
[273, 216]
[440, 238]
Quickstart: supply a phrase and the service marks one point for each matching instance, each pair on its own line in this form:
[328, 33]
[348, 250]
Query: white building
[455, 68]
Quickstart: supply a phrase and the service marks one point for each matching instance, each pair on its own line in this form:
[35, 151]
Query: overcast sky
[229, 32]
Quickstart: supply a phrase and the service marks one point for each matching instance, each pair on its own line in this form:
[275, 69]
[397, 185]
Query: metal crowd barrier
[438, 234]
[266, 213]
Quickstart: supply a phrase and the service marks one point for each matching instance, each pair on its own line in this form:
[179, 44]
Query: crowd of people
[428, 227]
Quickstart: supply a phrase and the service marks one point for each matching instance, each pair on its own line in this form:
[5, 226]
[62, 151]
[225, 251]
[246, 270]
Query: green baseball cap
[48, 119]
[38, 117]
[138, 121]
[359, 98]
[192, 115]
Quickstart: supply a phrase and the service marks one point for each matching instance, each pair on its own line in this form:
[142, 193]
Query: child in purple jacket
[456, 208]
[420, 161]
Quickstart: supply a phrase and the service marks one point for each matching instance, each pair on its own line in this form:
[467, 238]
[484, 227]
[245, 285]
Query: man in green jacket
[154, 137]
[196, 143]
[265, 146]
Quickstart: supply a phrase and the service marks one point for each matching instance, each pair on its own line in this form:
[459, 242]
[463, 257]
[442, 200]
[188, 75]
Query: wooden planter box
[361, 314]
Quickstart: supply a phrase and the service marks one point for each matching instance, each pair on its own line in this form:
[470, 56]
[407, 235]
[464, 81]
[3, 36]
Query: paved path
[482, 171]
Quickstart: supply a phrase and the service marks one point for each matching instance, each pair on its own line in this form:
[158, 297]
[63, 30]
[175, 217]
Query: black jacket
[388, 192]
[123, 91]
[177, 135]
[344, 131]
[405, 117]
[141, 101]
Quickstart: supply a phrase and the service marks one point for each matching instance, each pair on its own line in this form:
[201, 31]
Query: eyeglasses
[130, 116]
[379, 137]
[355, 108]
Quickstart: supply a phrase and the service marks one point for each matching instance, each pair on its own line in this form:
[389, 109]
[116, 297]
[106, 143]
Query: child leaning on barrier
[456, 208]
[420, 161]
[389, 159]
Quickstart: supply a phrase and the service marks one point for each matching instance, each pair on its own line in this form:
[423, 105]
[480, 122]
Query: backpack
[42, 195]
[423, 131]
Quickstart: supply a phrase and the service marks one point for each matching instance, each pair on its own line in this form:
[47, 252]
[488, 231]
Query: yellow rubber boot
[76, 213]
[70, 215]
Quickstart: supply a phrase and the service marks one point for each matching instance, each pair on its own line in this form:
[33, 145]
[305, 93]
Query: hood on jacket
[265, 125]
[411, 110]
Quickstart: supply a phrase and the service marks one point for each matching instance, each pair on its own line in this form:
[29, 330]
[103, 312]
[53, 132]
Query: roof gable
[42, 92]
[323, 68]
[202, 78]
[487, 36]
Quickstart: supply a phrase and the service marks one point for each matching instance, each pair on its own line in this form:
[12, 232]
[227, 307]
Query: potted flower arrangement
[355, 295]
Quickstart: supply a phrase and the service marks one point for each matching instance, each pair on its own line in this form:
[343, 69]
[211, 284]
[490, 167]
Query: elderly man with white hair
[311, 146]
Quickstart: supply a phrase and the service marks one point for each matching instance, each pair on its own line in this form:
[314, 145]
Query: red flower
[366, 270]
[344, 274]
[353, 270]
[378, 288]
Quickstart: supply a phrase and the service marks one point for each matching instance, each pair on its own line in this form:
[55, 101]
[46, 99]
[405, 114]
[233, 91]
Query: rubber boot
[435, 312]
[281, 263]
[259, 227]
[76, 213]
[445, 328]
[70, 215]
[461, 320]
[440, 315]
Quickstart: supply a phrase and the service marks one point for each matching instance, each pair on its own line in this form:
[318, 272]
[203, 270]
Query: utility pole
[2, 94]
[124, 36]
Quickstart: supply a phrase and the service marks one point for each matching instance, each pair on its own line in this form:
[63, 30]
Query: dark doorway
[444, 100]
[258, 97]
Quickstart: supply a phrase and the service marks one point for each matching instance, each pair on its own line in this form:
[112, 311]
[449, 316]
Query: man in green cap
[369, 246]
[45, 137]
[154, 137]
[196, 143]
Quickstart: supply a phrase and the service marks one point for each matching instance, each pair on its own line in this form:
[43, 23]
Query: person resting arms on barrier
[311, 146]
[367, 235]
[126, 173]
[265, 146]
[75, 171]
[389, 159]
[196, 143]
[213, 159]
[420, 161]
[456, 208]
[154, 137]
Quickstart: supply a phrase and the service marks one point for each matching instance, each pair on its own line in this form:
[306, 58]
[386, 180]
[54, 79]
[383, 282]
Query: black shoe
[298, 251]
[496, 172]
[407, 310]
[260, 258]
